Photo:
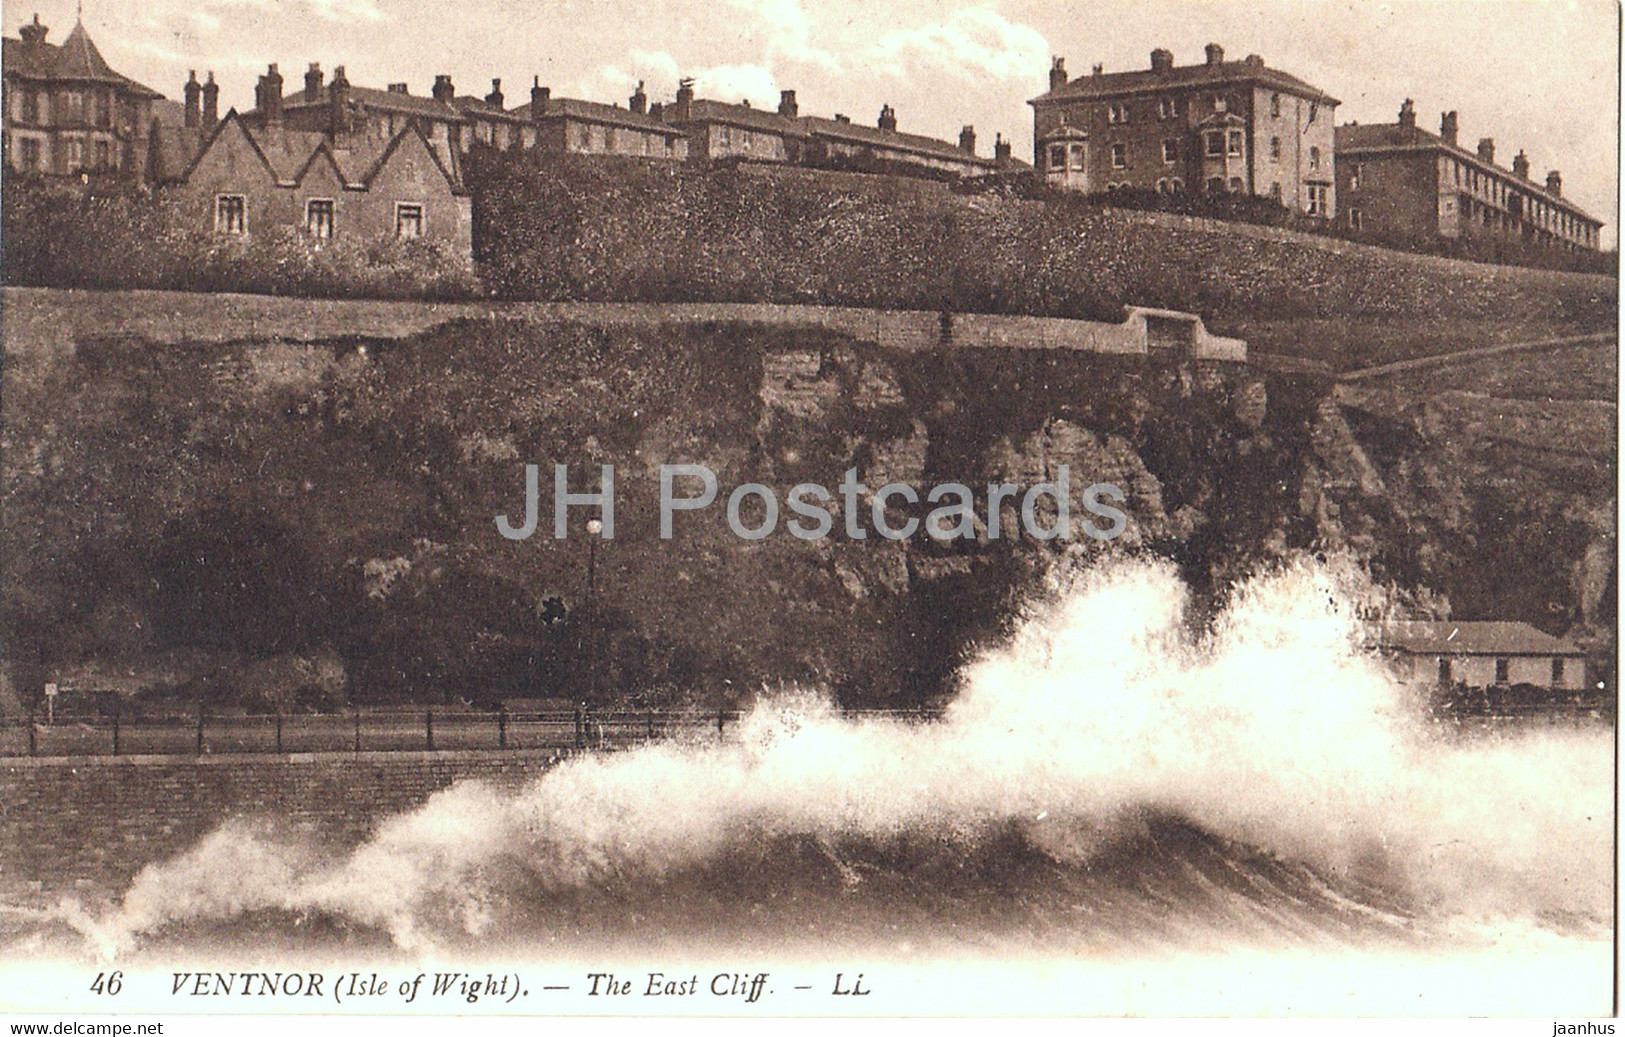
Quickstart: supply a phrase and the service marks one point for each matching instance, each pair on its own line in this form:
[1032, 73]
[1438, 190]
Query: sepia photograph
[752, 509]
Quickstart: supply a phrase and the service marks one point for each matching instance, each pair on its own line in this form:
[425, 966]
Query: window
[30, 156]
[1215, 145]
[76, 155]
[31, 106]
[1356, 220]
[1076, 152]
[1502, 671]
[1319, 200]
[609, 138]
[1275, 191]
[1117, 113]
[1444, 671]
[583, 137]
[1557, 673]
[408, 220]
[1168, 108]
[1275, 149]
[1235, 184]
[104, 155]
[1354, 177]
[1215, 185]
[1176, 185]
[1162, 186]
[104, 110]
[1057, 156]
[1221, 103]
[1235, 142]
[1275, 106]
[1119, 156]
[725, 135]
[230, 214]
[319, 217]
[1314, 158]
[1170, 151]
[74, 106]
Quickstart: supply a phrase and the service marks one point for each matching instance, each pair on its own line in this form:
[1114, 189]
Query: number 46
[109, 983]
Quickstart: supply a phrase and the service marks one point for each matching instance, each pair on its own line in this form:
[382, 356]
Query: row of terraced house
[331, 157]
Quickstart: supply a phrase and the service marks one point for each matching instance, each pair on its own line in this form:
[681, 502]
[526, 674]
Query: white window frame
[1319, 199]
[222, 224]
[1356, 219]
[1235, 144]
[422, 220]
[1168, 108]
[1075, 153]
[1170, 151]
[1119, 156]
[332, 217]
[1057, 156]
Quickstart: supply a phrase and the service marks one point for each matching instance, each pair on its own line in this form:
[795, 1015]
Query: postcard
[794, 508]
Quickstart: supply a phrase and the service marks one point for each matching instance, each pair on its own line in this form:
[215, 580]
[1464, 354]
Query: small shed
[1483, 654]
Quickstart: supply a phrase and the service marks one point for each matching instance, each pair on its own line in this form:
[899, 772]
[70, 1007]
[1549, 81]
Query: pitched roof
[381, 101]
[77, 60]
[593, 111]
[289, 155]
[1471, 638]
[1112, 84]
[874, 135]
[1354, 138]
[743, 115]
[480, 108]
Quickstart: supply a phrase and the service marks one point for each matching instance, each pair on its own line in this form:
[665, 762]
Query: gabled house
[245, 180]
[66, 111]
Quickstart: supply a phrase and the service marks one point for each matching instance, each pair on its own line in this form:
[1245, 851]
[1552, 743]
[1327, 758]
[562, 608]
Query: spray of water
[1270, 729]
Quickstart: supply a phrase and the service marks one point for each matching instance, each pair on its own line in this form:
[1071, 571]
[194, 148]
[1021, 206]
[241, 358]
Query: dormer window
[1221, 103]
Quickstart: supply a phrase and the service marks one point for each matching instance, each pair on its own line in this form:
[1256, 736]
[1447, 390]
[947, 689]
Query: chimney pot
[539, 96]
[33, 33]
[1407, 113]
[1554, 182]
[1057, 73]
[639, 101]
[888, 119]
[1448, 127]
[211, 101]
[1162, 60]
[443, 90]
[313, 83]
[1215, 54]
[495, 98]
[787, 104]
[1520, 165]
[1486, 149]
[967, 139]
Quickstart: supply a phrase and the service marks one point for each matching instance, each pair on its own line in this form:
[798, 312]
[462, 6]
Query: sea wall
[85, 826]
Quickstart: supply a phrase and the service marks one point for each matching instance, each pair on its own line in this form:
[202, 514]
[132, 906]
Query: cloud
[788, 32]
[660, 72]
[348, 10]
[974, 43]
[737, 83]
[656, 68]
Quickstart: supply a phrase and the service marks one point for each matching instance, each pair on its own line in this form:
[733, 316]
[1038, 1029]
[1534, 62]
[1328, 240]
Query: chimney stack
[211, 102]
[787, 104]
[1057, 73]
[639, 101]
[1448, 127]
[33, 33]
[888, 119]
[1554, 182]
[1098, 69]
[338, 104]
[1162, 60]
[313, 83]
[1215, 54]
[967, 139]
[1001, 148]
[269, 97]
[1520, 165]
[193, 91]
[494, 98]
[682, 108]
[1486, 149]
[443, 90]
[1407, 114]
[539, 96]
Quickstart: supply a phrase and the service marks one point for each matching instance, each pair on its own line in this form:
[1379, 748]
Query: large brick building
[1400, 183]
[568, 125]
[66, 111]
[1220, 126]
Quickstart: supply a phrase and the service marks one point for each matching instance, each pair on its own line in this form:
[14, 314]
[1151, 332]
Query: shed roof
[1496, 637]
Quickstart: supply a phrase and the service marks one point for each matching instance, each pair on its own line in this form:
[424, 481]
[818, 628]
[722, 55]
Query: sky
[1541, 75]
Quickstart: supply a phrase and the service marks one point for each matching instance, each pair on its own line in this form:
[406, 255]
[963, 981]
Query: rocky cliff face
[264, 500]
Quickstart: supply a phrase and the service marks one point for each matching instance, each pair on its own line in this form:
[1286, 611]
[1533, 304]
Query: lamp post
[594, 528]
